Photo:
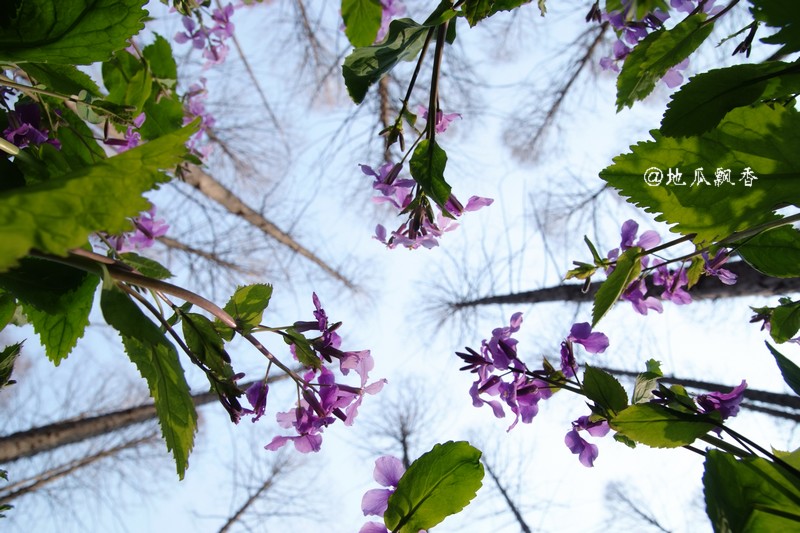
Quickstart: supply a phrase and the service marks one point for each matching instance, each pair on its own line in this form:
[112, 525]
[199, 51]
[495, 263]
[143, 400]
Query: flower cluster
[210, 40]
[195, 107]
[24, 127]
[388, 471]
[631, 29]
[147, 228]
[665, 283]
[501, 374]
[322, 398]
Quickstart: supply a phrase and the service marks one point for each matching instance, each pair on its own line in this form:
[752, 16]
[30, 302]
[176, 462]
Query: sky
[516, 244]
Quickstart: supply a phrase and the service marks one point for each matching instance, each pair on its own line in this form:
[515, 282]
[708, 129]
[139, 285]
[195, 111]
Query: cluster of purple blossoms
[391, 9]
[585, 450]
[195, 107]
[501, 375]
[210, 40]
[672, 283]
[323, 398]
[632, 30]
[388, 471]
[147, 228]
[24, 127]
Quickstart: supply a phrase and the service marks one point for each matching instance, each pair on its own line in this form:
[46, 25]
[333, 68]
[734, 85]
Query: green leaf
[362, 20]
[164, 116]
[627, 269]
[59, 329]
[604, 390]
[160, 60]
[8, 306]
[365, 66]
[758, 138]
[128, 81]
[427, 168]
[782, 14]
[655, 425]
[789, 370]
[61, 213]
[708, 97]
[646, 382]
[302, 348]
[64, 79]
[750, 495]
[206, 344]
[145, 266]
[785, 322]
[70, 32]
[655, 55]
[247, 305]
[157, 361]
[8, 356]
[477, 10]
[438, 484]
[56, 300]
[775, 252]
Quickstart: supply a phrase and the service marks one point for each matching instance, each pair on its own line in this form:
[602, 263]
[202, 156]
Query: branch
[511, 505]
[210, 187]
[209, 256]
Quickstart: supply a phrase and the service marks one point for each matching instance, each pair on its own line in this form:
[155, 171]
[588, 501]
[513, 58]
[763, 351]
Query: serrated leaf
[758, 138]
[655, 425]
[749, 495]
[146, 266]
[8, 306]
[438, 484]
[789, 370]
[477, 10]
[784, 322]
[696, 269]
[302, 348]
[650, 60]
[160, 60]
[365, 66]
[627, 269]
[128, 81]
[8, 356]
[708, 97]
[775, 252]
[362, 20]
[782, 14]
[427, 168]
[61, 213]
[164, 116]
[64, 79]
[157, 361]
[70, 32]
[643, 388]
[604, 390]
[206, 344]
[247, 305]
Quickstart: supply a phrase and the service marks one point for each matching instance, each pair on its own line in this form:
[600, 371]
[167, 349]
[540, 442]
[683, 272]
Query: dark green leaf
[8, 306]
[362, 20]
[438, 484]
[302, 348]
[627, 269]
[128, 81]
[70, 32]
[60, 214]
[157, 361]
[789, 370]
[775, 252]
[247, 305]
[655, 55]
[703, 102]
[785, 322]
[638, 10]
[427, 168]
[160, 60]
[164, 116]
[782, 14]
[757, 138]
[206, 344]
[749, 495]
[365, 66]
[655, 425]
[604, 390]
[477, 10]
[64, 79]
[145, 266]
[8, 355]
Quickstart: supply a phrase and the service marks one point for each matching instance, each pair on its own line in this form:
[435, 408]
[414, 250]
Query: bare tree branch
[208, 256]
[511, 505]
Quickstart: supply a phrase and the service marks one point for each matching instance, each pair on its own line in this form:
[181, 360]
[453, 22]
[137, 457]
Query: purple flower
[649, 239]
[391, 9]
[635, 294]
[132, 136]
[673, 77]
[442, 120]
[586, 451]
[196, 34]
[593, 342]
[223, 27]
[24, 127]
[388, 471]
[726, 403]
[712, 267]
[673, 282]
[257, 396]
[148, 229]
